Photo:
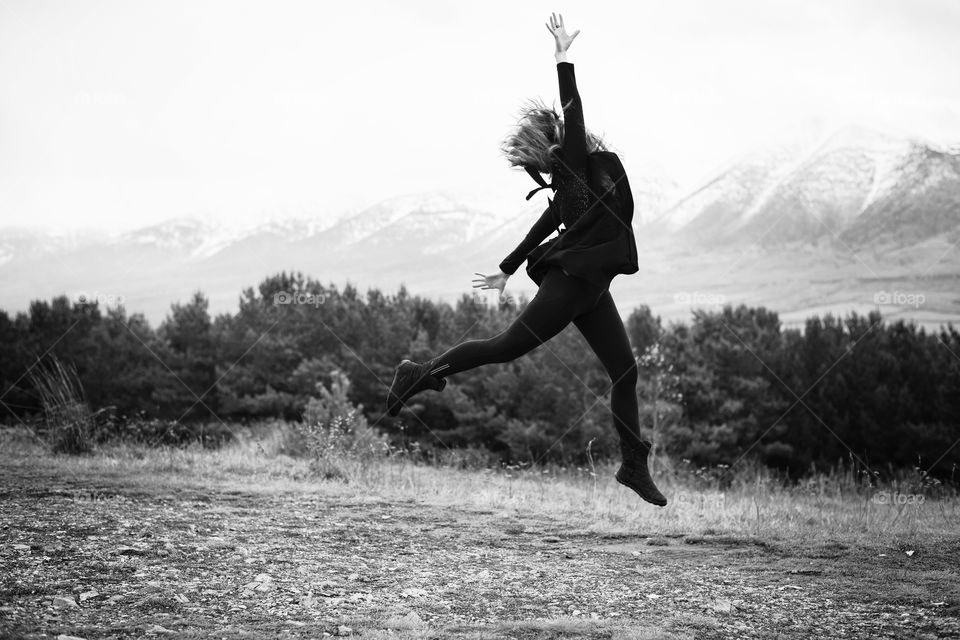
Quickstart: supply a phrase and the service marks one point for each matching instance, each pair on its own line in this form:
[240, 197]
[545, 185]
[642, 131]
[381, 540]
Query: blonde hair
[538, 135]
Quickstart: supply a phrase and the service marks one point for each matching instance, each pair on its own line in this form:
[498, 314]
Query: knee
[627, 376]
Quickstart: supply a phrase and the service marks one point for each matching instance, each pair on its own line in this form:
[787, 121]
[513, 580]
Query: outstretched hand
[559, 32]
[497, 281]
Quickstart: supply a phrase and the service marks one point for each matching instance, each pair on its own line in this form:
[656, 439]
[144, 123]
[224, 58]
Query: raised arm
[575, 132]
[543, 227]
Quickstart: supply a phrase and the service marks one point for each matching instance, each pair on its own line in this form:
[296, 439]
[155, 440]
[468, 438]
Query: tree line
[729, 385]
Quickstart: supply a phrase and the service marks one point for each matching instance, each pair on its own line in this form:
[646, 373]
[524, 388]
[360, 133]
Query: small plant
[68, 421]
[335, 432]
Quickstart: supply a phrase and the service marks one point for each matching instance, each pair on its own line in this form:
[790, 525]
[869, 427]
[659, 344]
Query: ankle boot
[633, 472]
[411, 378]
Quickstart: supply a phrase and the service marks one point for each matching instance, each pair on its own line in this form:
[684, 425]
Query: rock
[344, 631]
[65, 602]
[86, 595]
[265, 586]
[409, 621]
[158, 629]
[414, 620]
[263, 577]
[181, 598]
[130, 551]
[413, 592]
[219, 543]
[64, 636]
[723, 606]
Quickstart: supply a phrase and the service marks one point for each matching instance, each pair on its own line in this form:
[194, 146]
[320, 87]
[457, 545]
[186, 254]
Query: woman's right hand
[497, 281]
[559, 32]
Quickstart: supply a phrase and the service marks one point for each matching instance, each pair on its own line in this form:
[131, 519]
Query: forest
[729, 385]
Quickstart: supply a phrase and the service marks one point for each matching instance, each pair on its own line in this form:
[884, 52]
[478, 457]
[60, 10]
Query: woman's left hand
[560, 33]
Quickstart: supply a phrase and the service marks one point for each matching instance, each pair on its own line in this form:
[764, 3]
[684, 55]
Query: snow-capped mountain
[815, 223]
[920, 200]
[837, 187]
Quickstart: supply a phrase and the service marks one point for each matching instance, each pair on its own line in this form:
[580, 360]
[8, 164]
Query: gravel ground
[113, 557]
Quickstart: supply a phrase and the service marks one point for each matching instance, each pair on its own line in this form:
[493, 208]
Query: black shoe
[635, 474]
[410, 378]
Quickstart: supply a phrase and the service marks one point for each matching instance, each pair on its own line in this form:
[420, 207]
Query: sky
[115, 115]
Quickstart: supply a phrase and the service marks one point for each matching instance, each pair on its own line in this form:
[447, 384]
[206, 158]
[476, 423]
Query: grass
[390, 548]
[68, 419]
[836, 505]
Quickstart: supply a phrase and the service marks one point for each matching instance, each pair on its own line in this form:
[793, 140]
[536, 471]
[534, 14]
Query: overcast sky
[117, 114]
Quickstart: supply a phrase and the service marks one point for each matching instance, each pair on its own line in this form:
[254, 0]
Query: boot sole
[640, 493]
[394, 403]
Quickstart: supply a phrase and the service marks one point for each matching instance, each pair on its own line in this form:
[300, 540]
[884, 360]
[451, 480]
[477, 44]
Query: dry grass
[752, 504]
[68, 419]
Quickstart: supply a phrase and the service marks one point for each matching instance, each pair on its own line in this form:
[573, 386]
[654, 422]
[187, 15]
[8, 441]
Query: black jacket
[600, 243]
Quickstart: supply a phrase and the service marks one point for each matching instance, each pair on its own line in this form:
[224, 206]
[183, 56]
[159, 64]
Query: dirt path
[161, 558]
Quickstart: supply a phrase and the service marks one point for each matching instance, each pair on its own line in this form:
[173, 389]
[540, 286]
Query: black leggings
[560, 300]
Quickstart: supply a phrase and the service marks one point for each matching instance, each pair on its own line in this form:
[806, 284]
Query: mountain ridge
[851, 193]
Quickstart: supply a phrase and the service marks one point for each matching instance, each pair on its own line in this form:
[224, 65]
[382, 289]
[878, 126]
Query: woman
[573, 270]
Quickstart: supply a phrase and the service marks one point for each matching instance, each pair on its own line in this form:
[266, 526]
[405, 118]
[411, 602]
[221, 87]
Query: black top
[592, 200]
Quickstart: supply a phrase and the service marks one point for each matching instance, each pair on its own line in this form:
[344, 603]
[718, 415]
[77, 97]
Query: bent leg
[606, 335]
[559, 299]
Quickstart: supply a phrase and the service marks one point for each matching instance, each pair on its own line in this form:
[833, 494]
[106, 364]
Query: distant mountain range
[857, 186]
[803, 227]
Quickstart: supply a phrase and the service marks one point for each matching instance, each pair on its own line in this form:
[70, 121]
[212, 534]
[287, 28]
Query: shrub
[334, 430]
[68, 421]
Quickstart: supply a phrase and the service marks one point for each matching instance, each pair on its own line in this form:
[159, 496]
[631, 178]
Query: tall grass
[68, 422]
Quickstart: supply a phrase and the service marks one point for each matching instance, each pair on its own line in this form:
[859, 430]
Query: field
[244, 542]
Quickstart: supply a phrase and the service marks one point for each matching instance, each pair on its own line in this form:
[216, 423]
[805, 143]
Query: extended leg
[559, 299]
[603, 329]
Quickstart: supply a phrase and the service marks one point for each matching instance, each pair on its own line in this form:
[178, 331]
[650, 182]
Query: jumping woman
[573, 270]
